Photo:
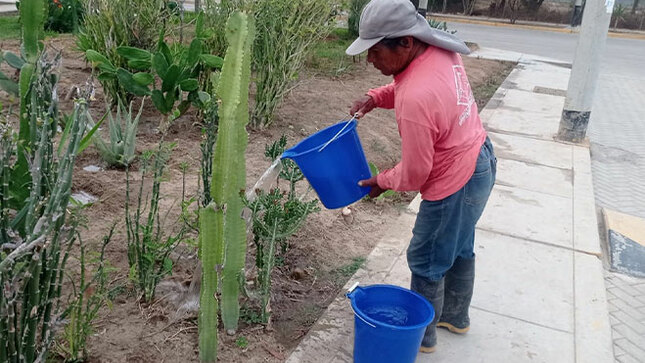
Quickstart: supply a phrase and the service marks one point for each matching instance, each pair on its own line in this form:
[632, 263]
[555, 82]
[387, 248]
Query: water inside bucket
[387, 314]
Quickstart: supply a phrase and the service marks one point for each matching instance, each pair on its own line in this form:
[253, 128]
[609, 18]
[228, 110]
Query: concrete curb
[529, 25]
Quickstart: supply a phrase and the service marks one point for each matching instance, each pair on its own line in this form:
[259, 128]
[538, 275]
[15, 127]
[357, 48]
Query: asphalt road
[622, 56]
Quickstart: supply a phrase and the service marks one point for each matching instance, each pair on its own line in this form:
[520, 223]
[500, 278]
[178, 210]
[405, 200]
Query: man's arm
[383, 96]
[417, 154]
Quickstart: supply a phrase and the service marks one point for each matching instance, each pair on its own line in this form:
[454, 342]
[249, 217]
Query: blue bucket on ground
[389, 323]
[334, 171]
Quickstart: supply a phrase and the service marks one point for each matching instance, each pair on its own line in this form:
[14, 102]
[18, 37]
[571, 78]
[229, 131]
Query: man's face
[387, 60]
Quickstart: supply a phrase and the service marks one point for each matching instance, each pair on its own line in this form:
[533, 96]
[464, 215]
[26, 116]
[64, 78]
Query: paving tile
[535, 177]
[527, 113]
[548, 153]
[495, 338]
[525, 214]
[631, 349]
[501, 292]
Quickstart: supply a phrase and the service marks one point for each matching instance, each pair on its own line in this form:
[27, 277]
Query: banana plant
[177, 73]
[222, 229]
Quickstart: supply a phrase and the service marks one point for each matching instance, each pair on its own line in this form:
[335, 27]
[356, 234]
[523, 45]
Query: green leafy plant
[109, 24]
[355, 9]
[178, 73]
[222, 229]
[64, 16]
[149, 247]
[242, 342]
[123, 136]
[275, 217]
[84, 303]
[619, 14]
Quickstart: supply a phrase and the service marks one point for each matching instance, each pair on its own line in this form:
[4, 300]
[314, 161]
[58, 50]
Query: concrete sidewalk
[539, 291]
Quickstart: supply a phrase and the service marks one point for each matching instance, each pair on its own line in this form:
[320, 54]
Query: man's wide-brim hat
[382, 19]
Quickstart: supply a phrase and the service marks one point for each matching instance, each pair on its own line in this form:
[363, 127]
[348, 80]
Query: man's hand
[371, 182]
[362, 106]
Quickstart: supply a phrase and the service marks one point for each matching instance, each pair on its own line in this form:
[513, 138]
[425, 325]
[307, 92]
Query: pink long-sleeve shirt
[441, 133]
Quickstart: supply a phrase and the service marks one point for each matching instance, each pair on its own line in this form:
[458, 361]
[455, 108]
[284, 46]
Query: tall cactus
[223, 231]
[32, 16]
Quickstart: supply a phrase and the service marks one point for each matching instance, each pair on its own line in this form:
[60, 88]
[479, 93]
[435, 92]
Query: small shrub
[276, 216]
[288, 29]
[109, 24]
[86, 299]
[171, 79]
[353, 20]
[64, 16]
[149, 247]
[242, 342]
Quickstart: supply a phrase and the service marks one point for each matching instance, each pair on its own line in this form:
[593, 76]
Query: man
[445, 155]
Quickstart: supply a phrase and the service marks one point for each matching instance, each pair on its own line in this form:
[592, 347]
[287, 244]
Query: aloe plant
[222, 229]
[123, 134]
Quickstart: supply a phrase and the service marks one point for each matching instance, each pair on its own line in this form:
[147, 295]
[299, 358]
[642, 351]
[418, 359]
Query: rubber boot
[459, 283]
[433, 291]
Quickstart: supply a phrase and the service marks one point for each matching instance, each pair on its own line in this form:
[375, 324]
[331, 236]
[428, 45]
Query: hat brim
[360, 45]
[438, 38]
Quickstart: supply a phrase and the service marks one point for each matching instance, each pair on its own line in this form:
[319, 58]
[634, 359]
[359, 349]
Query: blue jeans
[445, 229]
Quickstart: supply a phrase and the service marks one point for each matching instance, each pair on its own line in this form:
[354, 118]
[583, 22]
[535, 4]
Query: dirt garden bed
[322, 256]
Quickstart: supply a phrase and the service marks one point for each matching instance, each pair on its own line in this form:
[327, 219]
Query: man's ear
[406, 42]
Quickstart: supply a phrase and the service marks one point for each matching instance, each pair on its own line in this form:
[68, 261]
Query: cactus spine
[223, 231]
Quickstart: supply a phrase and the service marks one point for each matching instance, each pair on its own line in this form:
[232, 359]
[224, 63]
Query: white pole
[423, 7]
[585, 70]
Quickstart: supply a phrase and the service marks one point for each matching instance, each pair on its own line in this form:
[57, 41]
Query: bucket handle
[348, 294]
[353, 118]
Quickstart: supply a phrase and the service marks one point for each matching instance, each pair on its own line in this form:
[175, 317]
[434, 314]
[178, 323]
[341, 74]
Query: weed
[250, 316]
[242, 342]
[350, 269]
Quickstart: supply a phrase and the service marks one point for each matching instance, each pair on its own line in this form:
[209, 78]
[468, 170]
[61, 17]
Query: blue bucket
[333, 168]
[389, 323]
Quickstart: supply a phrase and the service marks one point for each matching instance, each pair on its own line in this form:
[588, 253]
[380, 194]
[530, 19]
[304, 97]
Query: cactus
[123, 133]
[223, 231]
[32, 15]
[31, 271]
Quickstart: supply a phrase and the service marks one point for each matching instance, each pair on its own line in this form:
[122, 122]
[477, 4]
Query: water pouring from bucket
[333, 162]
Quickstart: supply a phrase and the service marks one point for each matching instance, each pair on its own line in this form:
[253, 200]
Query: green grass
[348, 270]
[9, 27]
[328, 56]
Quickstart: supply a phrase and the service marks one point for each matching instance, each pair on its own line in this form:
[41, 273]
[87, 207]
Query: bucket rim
[290, 154]
[377, 323]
